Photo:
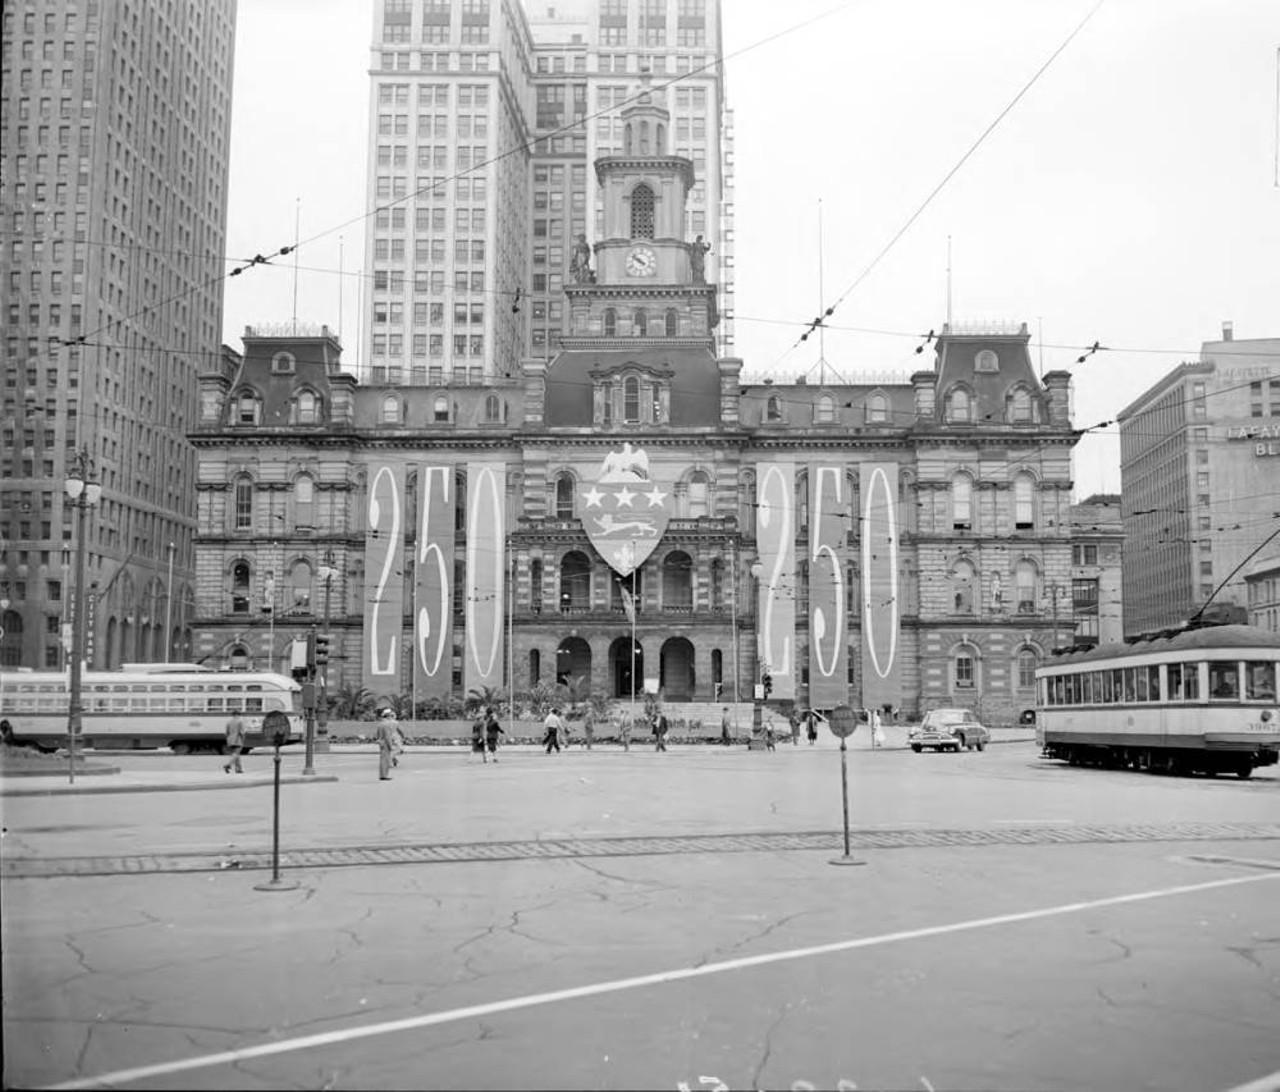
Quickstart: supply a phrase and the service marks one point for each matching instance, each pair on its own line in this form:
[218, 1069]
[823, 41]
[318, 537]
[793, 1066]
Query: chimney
[1227, 330]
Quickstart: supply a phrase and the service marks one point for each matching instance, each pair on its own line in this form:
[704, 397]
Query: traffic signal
[767, 682]
[322, 649]
[719, 689]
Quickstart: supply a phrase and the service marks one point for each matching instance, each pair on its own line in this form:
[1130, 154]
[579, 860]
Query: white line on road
[329, 1038]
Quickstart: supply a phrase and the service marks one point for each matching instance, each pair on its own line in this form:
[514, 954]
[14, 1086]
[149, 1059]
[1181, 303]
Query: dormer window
[824, 413]
[440, 408]
[308, 408]
[391, 410]
[773, 408]
[248, 409]
[283, 364]
[959, 406]
[986, 361]
[877, 409]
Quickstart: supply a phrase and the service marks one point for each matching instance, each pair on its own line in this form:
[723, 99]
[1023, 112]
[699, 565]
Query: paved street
[642, 920]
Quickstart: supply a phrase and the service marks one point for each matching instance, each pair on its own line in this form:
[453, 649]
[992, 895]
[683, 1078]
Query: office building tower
[486, 119]
[1199, 475]
[115, 119]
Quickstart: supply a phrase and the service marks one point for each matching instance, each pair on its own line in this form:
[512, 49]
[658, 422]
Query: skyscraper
[116, 121]
[485, 120]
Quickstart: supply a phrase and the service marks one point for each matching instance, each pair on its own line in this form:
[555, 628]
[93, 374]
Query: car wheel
[917, 748]
[981, 745]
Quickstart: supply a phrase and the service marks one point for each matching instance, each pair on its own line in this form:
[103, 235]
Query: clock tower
[649, 282]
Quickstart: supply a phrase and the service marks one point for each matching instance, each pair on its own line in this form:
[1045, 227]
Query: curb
[214, 786]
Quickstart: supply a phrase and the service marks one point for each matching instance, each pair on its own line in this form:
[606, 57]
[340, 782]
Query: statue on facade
[580, 267]
[697, 260]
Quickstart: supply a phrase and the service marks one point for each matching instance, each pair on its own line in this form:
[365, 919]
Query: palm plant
[352, 702]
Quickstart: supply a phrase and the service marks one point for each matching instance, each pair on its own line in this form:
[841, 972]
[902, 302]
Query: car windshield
[940, 717]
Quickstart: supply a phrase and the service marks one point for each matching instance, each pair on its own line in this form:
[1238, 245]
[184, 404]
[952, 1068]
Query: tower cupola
[645, 123]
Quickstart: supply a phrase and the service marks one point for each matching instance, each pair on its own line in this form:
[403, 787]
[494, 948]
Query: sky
[1128, 194]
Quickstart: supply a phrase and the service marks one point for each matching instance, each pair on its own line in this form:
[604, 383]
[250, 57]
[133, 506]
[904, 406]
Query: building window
[1026, 578]
[1084, 554]
[962, 583]
[773, 408]
[244, 504]
[824, 413]
[959, 407]
[1023, 502]
[964, 671]
[672, 327]
[642, 212]
[986, 361]
[631, 401]
[877, 409]
[391, 410]
[610, 322]
[1027, 663]
[283, 364]
[564, 496]
[304, 502]
[492, 409]
[1018, 406]
[307, 408]
[240, 583]
[640, 324]
[962, 502]
[440, 408]
[247, 409]
[699, 495]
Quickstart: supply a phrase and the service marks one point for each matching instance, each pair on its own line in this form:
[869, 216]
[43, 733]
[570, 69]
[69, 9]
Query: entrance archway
[573, 658]
[623, 667]
[676, 670]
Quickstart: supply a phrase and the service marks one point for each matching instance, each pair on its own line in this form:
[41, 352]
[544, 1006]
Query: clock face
[642, 262]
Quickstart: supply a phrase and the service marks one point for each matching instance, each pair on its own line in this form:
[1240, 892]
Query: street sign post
[843, 722]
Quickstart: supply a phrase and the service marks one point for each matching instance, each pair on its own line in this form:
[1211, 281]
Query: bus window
[1260, 680]
[1224, 681]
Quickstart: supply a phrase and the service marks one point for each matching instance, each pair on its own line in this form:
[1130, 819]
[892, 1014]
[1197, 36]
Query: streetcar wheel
[1244, 772]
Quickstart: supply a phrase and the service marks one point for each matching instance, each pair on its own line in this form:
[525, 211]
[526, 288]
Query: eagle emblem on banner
[623, 511]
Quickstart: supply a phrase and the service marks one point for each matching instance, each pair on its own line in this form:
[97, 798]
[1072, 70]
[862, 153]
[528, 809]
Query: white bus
[1196, 701]
[184, 707]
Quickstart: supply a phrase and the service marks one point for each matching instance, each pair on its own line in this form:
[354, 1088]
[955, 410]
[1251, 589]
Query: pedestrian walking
[589, 728]
[770, 734]
[477, 737]
[552, 727]
[386, 737]
[492, 731]
[877, 729]
[624, 731]
[794, 721]
[725, 724]
[660, 726]
[235, 743]
[811, 725]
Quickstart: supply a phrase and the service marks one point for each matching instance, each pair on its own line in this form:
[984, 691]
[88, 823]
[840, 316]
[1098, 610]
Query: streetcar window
[177, 704]
[119, 705]
[1173, 679]
[1224, 681]
[1260, 680]
[1108, 692]
[214, 705]
[1191, 681]
[1153, 682]
[158, 703]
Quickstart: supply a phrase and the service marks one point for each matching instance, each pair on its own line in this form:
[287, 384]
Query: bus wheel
[1244, 771]
[178, 747]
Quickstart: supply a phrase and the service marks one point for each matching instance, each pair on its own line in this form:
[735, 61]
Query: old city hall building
[630, 514]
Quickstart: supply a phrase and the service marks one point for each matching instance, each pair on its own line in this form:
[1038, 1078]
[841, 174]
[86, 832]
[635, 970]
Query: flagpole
[733, 603]
[633, 648]
[511, 636]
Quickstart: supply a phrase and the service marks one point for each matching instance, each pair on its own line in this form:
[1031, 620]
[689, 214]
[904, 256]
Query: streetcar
[1195, 701]
[184, 707]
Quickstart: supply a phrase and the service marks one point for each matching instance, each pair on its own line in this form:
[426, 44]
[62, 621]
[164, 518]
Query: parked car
[949, 730]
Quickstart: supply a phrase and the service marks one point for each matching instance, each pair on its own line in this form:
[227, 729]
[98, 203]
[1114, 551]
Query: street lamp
[757, 711]
[168, 607]
[82, 493]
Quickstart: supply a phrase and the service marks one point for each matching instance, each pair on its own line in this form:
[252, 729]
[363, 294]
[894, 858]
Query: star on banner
[625, 497]
[593, 496]
[656, 497]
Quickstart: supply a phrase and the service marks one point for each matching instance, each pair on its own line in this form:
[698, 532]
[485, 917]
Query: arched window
[440, 407]
[1024, 502]
[283, 363]
[238, 658]
[986, 361]
[1018, 405]
[492, 409]
[959, 405]
[1028, 661]
[672, 320]
[564, 496]
[248, 409]
[698, 499]
[575, 581]
[640, 324]
[1026, 580]
[244, 503]
[535, 585]
[308, 408]
[304, 514]
[300, 587]
[824, 413]
[877, 409]
[773, 408]
[660, 144]
[610, 322]
[631, 400]
[677, 581]
[642, 212]
[391, 410]
[962, 502]
[644, 138]
[535, 666]
[241, 581]
[962, 584]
